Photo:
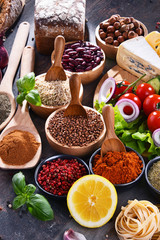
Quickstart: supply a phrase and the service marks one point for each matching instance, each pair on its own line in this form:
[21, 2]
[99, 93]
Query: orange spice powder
[118, 167]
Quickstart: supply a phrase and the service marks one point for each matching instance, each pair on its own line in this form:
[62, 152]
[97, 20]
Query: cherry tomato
[120, 87]
[144, 90]
[151, 103]
[132, 97]
[153, 120]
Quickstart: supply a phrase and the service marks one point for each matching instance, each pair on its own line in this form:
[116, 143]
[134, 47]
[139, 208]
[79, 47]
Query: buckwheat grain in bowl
[75, 135]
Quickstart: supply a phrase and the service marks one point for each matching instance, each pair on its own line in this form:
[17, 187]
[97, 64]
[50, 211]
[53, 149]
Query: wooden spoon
[14, 59]
[56, 71]
[111, 142]
[21, 120]
[75, 107]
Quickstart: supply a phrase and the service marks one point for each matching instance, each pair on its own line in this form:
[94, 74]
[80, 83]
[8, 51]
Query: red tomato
[153, 120]
[144, 90]
[120, 87]
[151, 103]
[132, 97]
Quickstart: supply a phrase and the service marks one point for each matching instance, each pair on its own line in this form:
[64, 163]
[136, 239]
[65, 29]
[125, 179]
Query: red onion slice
[108, 84]
[156, 137]
[135, 109]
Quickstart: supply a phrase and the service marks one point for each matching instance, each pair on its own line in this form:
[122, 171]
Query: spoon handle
[108, 115]
[15, 55]
[27, 66]
[75, 84]
[59, 44]
[27, 62]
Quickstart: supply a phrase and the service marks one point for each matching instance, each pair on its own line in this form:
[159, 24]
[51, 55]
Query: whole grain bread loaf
[9, 12]
[54, 17]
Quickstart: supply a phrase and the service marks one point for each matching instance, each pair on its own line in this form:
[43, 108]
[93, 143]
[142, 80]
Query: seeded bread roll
[9, 12]
[54, 17]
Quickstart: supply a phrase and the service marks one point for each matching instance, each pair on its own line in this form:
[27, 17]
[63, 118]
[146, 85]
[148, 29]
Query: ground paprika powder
[118, 167]
[18, 147]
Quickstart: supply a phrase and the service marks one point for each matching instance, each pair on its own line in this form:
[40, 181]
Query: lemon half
[92, 201]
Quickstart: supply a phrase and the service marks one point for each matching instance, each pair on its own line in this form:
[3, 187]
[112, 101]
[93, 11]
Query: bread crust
[9, 12]
[54, 17]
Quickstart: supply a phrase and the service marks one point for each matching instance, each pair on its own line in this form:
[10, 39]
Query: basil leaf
[19, 85]
[30, 189]
[26, 83]
[21, 97]
[33, 97]
[18, 201]
[18, 182]
[40, 208]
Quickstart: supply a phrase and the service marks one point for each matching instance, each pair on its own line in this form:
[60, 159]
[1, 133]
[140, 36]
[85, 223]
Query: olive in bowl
[55, 175]
[84, 59]
[152, 175]
[123, 169]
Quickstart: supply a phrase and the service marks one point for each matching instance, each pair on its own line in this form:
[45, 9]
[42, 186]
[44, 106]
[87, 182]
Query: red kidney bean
[72, 52]
[75, 45]
[68, 50]
[81, 56]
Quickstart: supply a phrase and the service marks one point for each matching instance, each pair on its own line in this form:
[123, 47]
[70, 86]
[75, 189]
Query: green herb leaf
[21, 97]
[33, 97]
[18, 182]
[18, 201]
[26, 83]
[29, 189]
[40, 208]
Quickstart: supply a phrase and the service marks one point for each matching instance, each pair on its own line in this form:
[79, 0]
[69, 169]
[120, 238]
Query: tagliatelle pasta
[139, 220]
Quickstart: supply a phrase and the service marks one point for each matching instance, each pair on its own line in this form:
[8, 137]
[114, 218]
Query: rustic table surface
[16, 225]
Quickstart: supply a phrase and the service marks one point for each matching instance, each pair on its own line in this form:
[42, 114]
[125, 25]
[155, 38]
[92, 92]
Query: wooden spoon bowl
[14, 59]
[21, 120]
[44, 110]
[87, 76]
[112, 142]
[74, 150]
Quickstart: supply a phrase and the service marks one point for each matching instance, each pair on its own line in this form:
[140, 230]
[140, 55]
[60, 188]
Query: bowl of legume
[123, 169]
[152, 175]
[53, 94]
[55, 175]
[83, 58]
[75, 135]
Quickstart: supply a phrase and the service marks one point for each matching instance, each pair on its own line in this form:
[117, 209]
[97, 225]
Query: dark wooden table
[17, 226]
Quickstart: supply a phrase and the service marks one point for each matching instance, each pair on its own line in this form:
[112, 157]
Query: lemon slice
[92, 201]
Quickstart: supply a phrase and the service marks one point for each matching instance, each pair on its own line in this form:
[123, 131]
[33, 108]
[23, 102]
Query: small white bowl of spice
[152, 175]
[53, 94]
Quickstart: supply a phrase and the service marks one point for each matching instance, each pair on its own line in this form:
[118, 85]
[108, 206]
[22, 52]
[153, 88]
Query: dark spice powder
[18, 147]
[76, 130]
[5, 107]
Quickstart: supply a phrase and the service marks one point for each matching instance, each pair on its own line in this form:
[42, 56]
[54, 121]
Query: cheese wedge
[153, 39]
[138, 57]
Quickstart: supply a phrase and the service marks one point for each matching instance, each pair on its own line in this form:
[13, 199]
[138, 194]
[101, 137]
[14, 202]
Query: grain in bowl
[76, 130]
[53, 93]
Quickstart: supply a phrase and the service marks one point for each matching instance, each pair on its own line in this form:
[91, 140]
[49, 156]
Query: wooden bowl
[88, 76]
[44, 111]
[110, 50]
[74, 150]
